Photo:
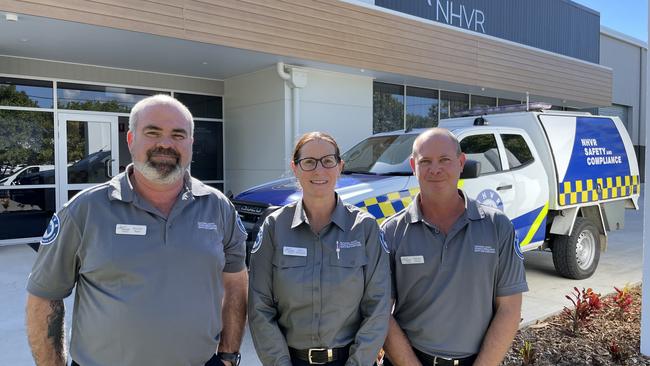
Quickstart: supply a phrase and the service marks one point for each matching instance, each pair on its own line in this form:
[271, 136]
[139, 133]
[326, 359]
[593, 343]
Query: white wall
[254, 120]
[339, 104]
[258, 109]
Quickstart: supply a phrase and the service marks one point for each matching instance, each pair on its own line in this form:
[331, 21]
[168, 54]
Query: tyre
[576, 256]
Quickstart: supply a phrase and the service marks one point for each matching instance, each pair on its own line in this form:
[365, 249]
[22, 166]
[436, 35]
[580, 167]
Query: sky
[629, 17]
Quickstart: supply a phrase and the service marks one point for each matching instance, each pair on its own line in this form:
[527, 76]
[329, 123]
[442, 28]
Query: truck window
[517, 150]
[482, 148]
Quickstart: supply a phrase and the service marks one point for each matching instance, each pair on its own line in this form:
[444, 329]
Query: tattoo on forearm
[55, 328]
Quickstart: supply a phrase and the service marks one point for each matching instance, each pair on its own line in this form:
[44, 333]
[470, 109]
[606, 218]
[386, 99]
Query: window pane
[201, 106]
[100, 98]
[25, 213]
[451, 103]
[26, 93]
[207, 156]
[421, 107]
[517, 150]
[479, 101]
[387, 107]
[27, 146]
[503, 101]
[482, 148]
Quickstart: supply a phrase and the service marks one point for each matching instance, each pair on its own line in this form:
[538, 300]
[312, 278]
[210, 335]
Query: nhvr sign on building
[559, 26]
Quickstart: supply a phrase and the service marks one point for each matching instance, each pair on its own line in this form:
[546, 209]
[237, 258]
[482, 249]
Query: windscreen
[381, 155]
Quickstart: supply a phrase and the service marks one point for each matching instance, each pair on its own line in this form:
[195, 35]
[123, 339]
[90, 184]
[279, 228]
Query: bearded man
[156, 258]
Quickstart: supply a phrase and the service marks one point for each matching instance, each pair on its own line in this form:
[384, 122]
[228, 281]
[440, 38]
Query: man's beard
[161, 172]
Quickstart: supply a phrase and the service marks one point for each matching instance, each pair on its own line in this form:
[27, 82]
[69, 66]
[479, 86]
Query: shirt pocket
[346, 274]
[290, 276]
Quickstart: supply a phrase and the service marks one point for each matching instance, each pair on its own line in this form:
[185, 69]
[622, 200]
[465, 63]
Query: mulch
[610, 337]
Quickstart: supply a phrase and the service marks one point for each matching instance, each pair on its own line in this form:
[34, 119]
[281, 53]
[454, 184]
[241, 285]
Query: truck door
[495, 185]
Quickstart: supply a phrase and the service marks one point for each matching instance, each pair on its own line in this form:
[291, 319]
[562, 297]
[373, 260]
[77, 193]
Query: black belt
[443, 361]
[320, 356]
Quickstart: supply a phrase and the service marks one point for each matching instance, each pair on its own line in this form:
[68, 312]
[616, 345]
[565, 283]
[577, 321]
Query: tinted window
[387, 107]
[100, 98]
[517, 150]
[25, 213]
[27, 145]
[451, 103]
[483, 148]
[201, 106]
[26, 93]
[207, 156]
[421, 107]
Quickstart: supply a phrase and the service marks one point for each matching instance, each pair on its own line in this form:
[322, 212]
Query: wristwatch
[235, 357]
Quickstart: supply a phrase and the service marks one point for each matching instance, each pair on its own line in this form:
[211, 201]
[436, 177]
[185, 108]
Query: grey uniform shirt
[149, 289]
[445, 286]
[303, 295]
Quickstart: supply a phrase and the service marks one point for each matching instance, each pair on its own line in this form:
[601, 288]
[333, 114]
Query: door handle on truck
[503, 188]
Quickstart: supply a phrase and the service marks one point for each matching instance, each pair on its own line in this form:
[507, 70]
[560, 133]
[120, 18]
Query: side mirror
[472, 169]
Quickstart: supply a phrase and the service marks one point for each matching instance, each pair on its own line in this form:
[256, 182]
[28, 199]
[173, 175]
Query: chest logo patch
[348, 244]
[294, 251]
[52, 230]
[412, 259]
[207, 225]
[124, 229]
[484, 249]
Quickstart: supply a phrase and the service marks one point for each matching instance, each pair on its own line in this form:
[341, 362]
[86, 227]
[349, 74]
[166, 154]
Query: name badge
[412, 259]
[294, 251]
[123, 229]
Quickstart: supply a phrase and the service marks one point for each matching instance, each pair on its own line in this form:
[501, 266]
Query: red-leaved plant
[622, 301]
[585, 304]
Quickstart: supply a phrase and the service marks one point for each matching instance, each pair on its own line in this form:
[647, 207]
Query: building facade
[258, 74]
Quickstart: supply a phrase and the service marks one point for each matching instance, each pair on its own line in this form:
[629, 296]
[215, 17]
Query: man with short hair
[156, 256]
[457, 274]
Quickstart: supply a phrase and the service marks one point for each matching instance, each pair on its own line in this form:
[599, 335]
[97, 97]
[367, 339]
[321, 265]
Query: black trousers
[214, 361]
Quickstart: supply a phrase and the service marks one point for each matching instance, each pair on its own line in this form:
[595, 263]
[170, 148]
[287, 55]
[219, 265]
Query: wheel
[576, 256]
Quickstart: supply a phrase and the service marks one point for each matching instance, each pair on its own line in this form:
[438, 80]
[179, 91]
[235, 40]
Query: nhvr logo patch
[52, 230]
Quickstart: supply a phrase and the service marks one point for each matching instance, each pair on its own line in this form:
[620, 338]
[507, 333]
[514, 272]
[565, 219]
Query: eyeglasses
[327, 162]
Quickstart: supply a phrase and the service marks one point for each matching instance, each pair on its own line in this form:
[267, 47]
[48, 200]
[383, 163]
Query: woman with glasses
[319, 276]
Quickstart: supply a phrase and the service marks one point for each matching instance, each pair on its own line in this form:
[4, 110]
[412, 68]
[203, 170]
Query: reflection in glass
[26, 93]
[479, 101]
[207, 156]
[451, 103]
[387, 107]
[384, 155]
[503, 101]
[482, 148]
[25, 213]
[89, 152]
[27, 142]
[201, 106]
[99, 98]
[421, 107]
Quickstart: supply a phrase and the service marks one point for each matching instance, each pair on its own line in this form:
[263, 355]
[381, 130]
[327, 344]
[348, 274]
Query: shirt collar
[472, 209]
[122, 189]
[338, 217]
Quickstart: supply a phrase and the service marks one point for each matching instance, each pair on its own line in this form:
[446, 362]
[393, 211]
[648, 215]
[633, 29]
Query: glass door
[88, 150]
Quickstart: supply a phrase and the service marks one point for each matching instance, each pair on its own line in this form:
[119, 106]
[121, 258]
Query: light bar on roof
[478, 111]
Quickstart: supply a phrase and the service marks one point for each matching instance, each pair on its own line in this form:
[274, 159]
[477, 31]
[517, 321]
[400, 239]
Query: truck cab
[563, 179]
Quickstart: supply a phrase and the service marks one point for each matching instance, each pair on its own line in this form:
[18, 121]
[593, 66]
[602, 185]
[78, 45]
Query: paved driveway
[621, 264]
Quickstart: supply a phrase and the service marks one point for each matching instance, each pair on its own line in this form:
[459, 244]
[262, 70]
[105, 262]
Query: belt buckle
[329, 355]
[436, 358]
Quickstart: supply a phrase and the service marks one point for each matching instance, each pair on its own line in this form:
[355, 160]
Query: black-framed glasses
[327, 162]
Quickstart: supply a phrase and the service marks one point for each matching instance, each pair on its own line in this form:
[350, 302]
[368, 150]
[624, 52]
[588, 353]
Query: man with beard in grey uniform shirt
[456, 269]
[156, 256]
